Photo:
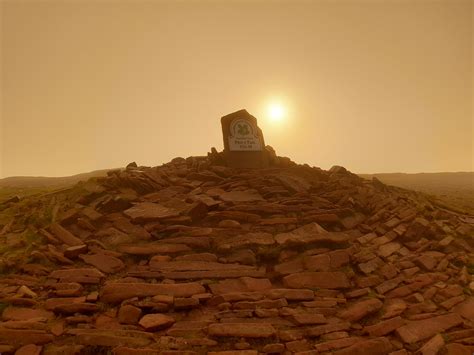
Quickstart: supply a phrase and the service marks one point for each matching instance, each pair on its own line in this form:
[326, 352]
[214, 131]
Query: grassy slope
[23, 186]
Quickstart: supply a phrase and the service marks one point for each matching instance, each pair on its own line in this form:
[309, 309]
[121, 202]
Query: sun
[276, 112]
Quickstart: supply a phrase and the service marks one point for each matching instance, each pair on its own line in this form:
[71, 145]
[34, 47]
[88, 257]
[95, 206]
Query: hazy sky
[375, 86]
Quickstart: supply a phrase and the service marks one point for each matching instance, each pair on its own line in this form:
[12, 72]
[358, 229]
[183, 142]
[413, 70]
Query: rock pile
[191, 257]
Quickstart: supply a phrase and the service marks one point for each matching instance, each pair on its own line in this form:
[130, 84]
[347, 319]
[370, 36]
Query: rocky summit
[196, 257]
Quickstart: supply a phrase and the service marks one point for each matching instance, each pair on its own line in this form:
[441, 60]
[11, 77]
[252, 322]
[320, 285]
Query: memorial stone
[244, 145]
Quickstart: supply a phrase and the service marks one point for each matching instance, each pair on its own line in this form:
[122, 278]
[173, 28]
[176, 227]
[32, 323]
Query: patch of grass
[96, 350]
[470, 268]
[3, 305]
[372, 294]
[349, 271]
[210, 281]
[269, 253]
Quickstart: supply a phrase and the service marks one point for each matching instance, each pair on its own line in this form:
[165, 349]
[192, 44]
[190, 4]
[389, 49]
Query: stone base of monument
[244, 145]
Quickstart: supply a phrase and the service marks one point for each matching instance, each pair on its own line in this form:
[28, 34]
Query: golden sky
[375, 86]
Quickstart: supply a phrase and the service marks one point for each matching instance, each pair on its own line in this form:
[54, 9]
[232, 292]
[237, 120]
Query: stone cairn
[200, 256]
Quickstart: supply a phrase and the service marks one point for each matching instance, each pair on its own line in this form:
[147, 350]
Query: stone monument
[244, 146]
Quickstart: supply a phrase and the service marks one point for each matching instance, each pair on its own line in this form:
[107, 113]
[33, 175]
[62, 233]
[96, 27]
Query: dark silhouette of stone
[244, 145]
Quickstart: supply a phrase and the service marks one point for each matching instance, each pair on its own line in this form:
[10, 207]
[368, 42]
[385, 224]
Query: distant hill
[22, 186]
[46, 182]
[457, 188]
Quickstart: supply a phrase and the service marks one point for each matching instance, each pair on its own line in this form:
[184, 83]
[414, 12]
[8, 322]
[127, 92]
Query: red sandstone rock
[153, 322]
[291, 294]
[422, 329]
[466, 309]
[129, 314]
[147, 211]
[433, 346]
[150, 249]
[317, 263]
[17, 313]
[74, 251]
[117, 292]
[241, 196]
[327, 328]
[104, 263]
[361, 309]
[378, 346]
[385, 327]
[25, 337]
[310, 233]
[244, 330]
[331, 280]
[457, 349]
[245, 240]
[337, 344]
[64, 235]
[111, 338]
[29, 349]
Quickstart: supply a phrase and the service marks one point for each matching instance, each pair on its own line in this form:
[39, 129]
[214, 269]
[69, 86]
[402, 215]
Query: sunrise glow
[276, 112]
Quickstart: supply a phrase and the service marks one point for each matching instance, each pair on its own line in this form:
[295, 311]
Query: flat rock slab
[214, 274]
[426, 328]
[234, 215]
[118, 292]
[361, 309]
[21, 314]
[314, 332]
[385, 327]
[311, 233]
[125, 350]
[106, 263]
[64, 235]
[378, 346]
[308, 318]
[154, 322]
[30, 349]
[243, 330]
[466, 309]
[388, 249]
[337, 344]
[126, 226]
[291, 294]
[433, 346]
[234, 352]
[245, 240]
[293, 183]
[73, 308]
[151, 249]
[111, 338]
[70, 305]
[244, 284]
[330, 280]
[241, 196]
[24, 337]
[79, 275]
[149, 211]
[194, 266]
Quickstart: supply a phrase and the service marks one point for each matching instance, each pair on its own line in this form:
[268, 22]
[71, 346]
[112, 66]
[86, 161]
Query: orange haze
[375, 86]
